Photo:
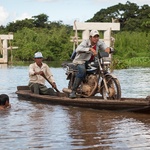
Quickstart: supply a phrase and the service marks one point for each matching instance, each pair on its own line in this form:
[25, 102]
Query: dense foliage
[131, 16]
[132, 44]
[52, 43]
[132, 49]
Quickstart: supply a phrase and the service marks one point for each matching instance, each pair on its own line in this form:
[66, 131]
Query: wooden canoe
[141, 105]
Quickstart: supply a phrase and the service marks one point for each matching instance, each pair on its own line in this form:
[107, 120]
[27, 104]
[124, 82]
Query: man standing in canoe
[38, 73]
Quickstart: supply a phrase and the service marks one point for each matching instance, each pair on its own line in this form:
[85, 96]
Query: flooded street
[33, 126]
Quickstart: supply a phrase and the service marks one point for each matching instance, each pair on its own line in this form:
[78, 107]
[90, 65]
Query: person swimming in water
[4, 101]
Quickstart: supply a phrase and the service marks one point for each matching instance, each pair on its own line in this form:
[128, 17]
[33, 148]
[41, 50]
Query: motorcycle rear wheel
[114, 89]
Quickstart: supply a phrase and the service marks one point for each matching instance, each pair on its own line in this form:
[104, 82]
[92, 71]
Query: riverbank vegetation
[132, 49]
[132, 42]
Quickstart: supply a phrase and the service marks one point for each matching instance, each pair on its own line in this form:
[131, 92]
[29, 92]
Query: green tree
[19, 24]
[130, 16]
[54, 44]
[40, 20]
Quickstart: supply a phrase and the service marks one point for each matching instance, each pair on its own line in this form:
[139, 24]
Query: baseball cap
[38, 55]
[94, 32]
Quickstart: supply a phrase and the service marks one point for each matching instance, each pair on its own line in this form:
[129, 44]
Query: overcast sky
[64, 10]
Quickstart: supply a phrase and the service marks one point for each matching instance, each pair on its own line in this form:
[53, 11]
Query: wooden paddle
[50, 83]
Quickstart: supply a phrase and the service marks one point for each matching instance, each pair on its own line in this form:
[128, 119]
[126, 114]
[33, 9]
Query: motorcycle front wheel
[114, 88]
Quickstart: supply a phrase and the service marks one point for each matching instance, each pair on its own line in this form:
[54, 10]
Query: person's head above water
[4, 101]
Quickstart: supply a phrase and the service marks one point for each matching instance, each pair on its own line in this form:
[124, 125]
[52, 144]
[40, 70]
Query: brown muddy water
[33, 126]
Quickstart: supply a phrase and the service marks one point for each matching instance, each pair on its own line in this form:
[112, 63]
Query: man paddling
[38, 73]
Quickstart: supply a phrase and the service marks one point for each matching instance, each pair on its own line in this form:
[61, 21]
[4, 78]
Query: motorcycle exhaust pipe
[66, 90]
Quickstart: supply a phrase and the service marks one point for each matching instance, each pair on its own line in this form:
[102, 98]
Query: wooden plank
[23, 88]
[97, 26]
[8, 37]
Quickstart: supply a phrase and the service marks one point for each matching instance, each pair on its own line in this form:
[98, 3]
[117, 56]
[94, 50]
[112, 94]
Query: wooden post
[4, 41]
[107, 37]
[85, 34]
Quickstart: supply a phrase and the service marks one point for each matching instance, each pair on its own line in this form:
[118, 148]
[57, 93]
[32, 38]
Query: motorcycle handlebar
[112, 50]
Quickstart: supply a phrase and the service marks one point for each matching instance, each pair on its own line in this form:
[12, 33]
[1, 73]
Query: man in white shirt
[38, 71]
